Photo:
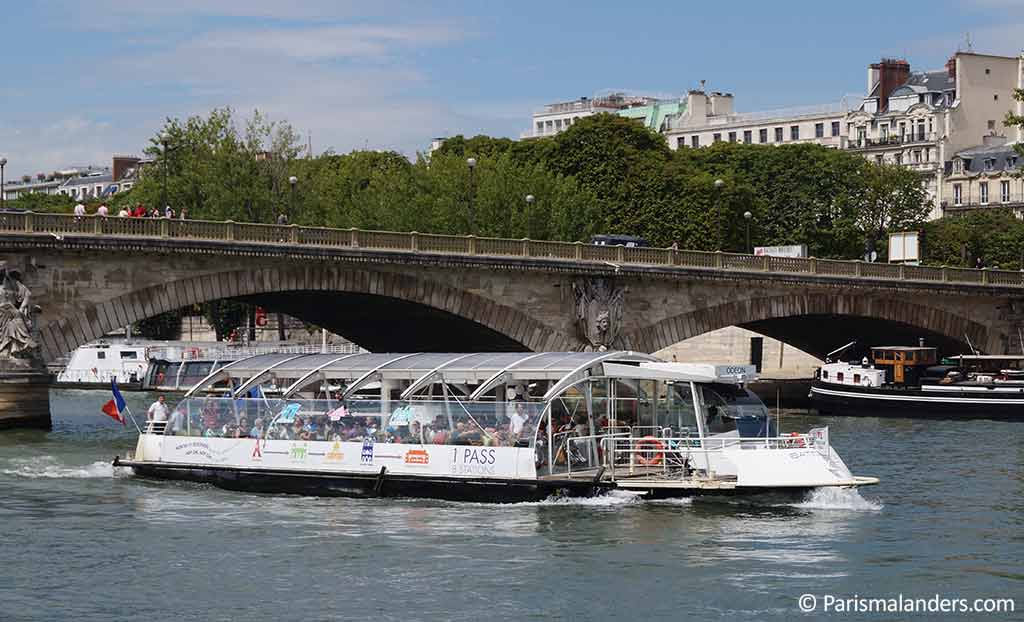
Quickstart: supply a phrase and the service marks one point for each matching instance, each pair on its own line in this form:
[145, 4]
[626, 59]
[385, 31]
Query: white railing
[664, 454]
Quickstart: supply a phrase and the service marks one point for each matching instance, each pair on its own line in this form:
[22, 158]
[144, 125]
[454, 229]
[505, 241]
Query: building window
[917, 157]
[732, 137]
[903, 132]
[762, 136]
[958, 196]
[878, 160]
[716, 138]
[540, 127]
[1011, 162]
[681, 142]
[995, 97]
[991, 124]
[920, 130]
[695, 141]
[884, 132]
[794, 132]
[990, 164]
[1004, 191]
[558, 124]
[899, 159]
[928, 154]
[748, 137]
[819, 130]
[958, 166]
[983, 192]
[835, 128]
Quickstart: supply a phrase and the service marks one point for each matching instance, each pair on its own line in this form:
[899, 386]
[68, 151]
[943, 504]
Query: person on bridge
[157, 412]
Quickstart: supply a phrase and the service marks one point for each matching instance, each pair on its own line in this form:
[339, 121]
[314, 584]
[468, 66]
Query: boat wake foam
[610, 499]
[838, 499]
[50, 467]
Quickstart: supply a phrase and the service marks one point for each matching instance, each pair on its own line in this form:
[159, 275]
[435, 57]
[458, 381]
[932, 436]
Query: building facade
[557, 117]
[918, 120]
[988, 175]
[81, 184]
[710, 118]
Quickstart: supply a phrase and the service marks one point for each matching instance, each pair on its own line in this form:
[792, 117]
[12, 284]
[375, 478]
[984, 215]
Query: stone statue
[599, 307]
[17, 344]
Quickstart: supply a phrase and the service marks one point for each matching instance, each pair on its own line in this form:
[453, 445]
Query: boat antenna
[839, 350]
[969, 344]
[1020, 335]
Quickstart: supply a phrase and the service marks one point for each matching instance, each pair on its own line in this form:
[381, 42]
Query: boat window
[101, 355]
[129, 354]
[910, 356]
[839, 376]
[420, 422]
[733, 408]
[856, 379]
[824, 374]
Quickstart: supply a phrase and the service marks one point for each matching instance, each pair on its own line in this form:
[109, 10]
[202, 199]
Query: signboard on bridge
[795, 250]
[904, 247]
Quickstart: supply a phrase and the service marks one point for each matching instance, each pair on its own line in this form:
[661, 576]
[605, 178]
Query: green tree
[164, 326]
[225, 316]
[892, 199]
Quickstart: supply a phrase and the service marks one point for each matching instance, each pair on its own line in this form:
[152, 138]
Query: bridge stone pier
[410, 292]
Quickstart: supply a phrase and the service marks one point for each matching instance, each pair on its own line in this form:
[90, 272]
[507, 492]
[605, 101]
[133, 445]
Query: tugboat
[903, 381]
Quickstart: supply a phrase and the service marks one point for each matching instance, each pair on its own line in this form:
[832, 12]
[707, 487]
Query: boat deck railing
[626, 454]
[156, 427]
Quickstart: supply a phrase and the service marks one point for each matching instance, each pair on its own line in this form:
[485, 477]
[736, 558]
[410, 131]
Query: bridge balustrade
[835, 267]
[161, 228]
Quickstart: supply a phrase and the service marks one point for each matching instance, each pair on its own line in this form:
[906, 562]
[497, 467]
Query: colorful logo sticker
[257, 453]
[417, 456]
[367, 455]
[335, 454]
[298, 452]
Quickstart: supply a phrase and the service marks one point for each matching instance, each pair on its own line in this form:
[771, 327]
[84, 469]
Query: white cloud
[350, 73]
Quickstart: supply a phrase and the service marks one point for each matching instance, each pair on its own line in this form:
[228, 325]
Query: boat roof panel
[454, 367]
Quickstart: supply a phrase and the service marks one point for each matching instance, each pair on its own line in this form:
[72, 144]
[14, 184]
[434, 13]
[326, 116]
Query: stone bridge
[409, 291]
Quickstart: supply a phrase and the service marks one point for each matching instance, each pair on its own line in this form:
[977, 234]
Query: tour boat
[911, 382]
[483, 426]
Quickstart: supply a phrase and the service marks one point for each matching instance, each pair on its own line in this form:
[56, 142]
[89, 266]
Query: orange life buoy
[648, 459]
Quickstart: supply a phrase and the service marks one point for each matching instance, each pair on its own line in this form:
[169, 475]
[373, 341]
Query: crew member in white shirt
[157, 412]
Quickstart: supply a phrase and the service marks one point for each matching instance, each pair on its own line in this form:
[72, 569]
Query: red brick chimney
[951, 67]
[892, 72]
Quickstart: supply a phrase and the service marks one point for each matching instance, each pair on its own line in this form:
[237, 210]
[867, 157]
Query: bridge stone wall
[89, 285]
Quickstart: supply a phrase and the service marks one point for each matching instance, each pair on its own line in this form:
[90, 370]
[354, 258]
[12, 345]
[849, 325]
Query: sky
[83, 79]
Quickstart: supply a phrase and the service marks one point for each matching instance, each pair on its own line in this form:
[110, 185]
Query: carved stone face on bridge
[599, 306]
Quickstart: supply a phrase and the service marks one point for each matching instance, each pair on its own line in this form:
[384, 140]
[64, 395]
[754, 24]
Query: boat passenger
[176, 424]
[257, 428]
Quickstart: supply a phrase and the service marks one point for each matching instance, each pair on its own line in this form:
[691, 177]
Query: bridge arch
[308, 293]
[779, 316]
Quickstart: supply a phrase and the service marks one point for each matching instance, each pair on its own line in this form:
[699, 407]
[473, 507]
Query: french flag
[116, 407]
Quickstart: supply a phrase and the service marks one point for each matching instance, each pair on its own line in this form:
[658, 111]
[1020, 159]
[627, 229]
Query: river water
[82, 542]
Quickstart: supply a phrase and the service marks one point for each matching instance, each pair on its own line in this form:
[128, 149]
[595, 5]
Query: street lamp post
[718, 214]
[291, 197]
[529, 209]
[471, 163]
[3, 191]
[165, 140]
[747, 216]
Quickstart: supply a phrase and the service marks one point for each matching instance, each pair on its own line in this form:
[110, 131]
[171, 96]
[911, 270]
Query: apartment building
[988, 175]
[560, 116]
[918, 120]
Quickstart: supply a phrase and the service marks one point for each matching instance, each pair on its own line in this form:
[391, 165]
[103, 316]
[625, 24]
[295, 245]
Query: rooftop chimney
[892, 72]
[951, 67]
